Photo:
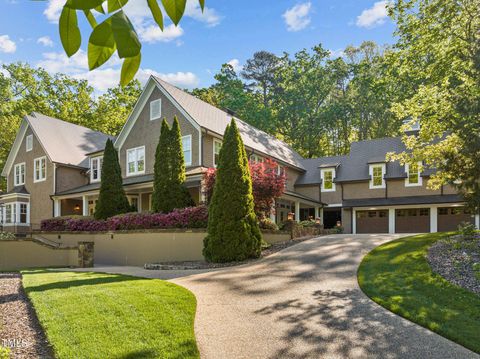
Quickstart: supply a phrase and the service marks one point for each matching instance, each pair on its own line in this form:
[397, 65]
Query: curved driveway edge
[304, 302]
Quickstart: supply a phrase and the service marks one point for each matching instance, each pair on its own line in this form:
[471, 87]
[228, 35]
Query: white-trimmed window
[17, 213]
[187, 149]
[327, 175]
[136, 161]
[155, 109]
[40, 169]
[377, 175]
[29, 143]
[217, 146]
[19, 174]
[96, 169]
[413, 174]
[256, 158]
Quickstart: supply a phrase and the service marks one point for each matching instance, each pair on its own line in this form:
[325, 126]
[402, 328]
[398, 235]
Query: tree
[438, 52]
[115, 33]
[111, 200]
[169, 191]
[161, 171]
[268, 183]
[233, 231]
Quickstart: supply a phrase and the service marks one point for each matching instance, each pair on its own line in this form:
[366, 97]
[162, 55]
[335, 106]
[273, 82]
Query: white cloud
[153, 33]
[235, 64]
[53, 10]
[6, 45]
[109, 74]
[374, 16]
[209, 16]
[45, 41]
[297, 18]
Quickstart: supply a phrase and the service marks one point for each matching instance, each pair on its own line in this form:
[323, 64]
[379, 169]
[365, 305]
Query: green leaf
[100, 9]
[69, 31]
[83, 4]
[114, 5]
[125, 36]
[129, 69]
[101, 45]
[202, 4]
[156, 12]
[174, 9]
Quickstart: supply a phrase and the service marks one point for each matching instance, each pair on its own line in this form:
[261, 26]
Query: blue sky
[189, 55]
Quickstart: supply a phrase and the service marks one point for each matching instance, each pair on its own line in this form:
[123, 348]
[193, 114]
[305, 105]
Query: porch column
[354, 221]
[391, 220]
[433, 219]
[273, 213]
[85, 205]
[297, 211]
[57, 208]
[321, 216]
[477, 221]
[317, 212]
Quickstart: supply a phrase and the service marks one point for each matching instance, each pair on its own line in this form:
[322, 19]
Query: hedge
[191, 217]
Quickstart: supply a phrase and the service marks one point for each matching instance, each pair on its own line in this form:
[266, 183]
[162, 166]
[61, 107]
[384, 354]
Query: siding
[68, 178]
[360, 190]
[312, 192]
[396, 188]
[146, 133]
[41, 205]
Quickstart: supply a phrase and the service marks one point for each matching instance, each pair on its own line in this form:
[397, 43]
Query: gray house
[54, 169]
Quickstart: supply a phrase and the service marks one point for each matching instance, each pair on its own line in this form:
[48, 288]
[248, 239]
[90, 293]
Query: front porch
[303, 208]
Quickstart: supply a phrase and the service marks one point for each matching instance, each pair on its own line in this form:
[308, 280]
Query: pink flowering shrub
[191, 217]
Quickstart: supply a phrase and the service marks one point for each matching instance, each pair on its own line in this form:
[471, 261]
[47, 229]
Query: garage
[450, 217]
[372, 221]
[412, 220]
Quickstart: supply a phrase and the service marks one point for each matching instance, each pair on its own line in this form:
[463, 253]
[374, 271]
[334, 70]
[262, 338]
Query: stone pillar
[297, 211]
[433, 219]
[85, 254]
[391, 220]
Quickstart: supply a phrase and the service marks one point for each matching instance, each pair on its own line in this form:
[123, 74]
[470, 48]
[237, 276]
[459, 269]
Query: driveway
[304, 302]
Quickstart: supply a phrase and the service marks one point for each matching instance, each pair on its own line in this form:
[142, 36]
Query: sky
[189, 55]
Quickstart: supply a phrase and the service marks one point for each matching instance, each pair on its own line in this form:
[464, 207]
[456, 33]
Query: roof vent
[230, 112]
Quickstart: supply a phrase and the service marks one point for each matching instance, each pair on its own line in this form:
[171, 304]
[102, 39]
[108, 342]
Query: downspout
[54, 188]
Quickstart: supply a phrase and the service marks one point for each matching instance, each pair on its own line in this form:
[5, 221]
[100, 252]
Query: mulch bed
[20, 330]
[192, 265]
[458, 261]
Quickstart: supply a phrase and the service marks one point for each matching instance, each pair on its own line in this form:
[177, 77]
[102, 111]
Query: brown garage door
[450, 217]
[412, 220]
[372, 221]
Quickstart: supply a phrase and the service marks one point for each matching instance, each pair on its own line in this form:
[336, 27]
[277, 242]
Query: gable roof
[216, 120]
[63, 142]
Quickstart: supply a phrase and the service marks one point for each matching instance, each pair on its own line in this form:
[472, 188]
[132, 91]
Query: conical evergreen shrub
[161, 170]
[169, 191]
[112, 199]
[233, 231]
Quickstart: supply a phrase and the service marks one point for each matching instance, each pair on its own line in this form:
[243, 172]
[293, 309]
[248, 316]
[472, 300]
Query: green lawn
[397, 276]
[92, 315]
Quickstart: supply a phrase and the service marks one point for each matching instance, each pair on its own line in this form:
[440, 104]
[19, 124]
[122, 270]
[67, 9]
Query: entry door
[412, 220]
[372, 221]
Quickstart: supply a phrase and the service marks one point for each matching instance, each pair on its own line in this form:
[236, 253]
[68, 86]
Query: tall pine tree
[112, 199]
[233, 232]
[169, 191]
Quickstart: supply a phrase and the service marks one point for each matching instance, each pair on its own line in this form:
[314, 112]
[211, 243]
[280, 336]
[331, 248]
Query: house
[54, 169]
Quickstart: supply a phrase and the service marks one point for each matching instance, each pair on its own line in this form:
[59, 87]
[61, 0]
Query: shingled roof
[66, 142]
[216, 120]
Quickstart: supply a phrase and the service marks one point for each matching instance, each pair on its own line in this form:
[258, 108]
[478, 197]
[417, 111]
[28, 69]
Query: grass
[397, 276]
[93, 315]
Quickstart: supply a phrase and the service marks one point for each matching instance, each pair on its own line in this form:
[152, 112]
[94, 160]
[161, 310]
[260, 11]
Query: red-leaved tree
[268, 182]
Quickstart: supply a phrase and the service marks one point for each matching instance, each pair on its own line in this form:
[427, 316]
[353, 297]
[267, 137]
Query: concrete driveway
[303, 302]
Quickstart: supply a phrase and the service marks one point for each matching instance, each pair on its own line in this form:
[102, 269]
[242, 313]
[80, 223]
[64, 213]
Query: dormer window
[413, 174]
[377, 175]
[96, 169]
[327, 175]
[155, 109]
